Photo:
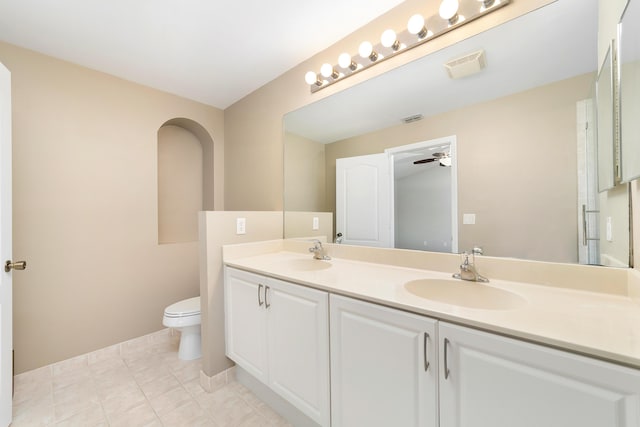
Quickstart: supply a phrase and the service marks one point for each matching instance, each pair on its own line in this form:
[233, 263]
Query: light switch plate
[316, 223]
[469, 219]
[241, 225]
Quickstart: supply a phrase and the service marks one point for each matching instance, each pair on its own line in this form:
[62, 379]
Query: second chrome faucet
[318, 251]
[468, 269]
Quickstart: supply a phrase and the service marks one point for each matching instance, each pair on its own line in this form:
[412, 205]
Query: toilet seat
[185, 308]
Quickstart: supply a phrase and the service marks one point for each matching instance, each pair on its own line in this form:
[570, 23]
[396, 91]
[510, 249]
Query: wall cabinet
[384, 367]
[279, 333]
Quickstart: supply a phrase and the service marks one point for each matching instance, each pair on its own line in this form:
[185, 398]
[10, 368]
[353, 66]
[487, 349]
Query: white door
[363, 200]
[384, 367]
[491, 381]
[425, 195]
[6, 312]
[298, 329]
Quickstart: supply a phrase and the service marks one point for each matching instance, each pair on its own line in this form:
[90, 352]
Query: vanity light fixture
[366, 51]
[345, 61]
[487, 3]
[389, 39]
[312, 79]
[451, 14]
[327, 71]
[416, 26]
[449, 11]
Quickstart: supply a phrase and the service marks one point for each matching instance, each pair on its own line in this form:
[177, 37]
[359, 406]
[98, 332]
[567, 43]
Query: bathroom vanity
[347, 342]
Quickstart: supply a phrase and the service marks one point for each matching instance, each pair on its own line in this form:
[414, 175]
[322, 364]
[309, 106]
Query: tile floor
[137, 383]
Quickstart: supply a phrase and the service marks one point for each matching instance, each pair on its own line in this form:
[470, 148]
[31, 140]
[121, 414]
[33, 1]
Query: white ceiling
[212, 51]
[552, 43]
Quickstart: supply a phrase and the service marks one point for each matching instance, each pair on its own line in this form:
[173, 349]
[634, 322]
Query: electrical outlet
[469, 219]
[241, 225]
[316, 223]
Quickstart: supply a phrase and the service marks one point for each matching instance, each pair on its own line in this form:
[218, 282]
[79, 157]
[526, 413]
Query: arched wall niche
[185, 179]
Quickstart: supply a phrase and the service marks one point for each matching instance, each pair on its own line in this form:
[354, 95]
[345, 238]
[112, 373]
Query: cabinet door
[495, 381]
[298, 331]
[383, 366]
[245, 317]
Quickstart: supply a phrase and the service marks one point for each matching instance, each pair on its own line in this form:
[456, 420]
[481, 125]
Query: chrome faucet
[318, 251]
[468, 270]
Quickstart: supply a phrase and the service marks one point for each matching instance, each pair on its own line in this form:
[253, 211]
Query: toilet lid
[187, 307]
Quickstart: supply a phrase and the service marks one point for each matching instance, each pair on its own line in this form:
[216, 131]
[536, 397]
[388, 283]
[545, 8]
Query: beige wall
[304, 174]
[217, 229]
[536, 127]
[180, 184]
[253, 125]
[85, 208]
[300, 225]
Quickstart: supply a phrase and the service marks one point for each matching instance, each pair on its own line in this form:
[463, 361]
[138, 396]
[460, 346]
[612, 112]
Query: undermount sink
[465, 293]
[307, 264]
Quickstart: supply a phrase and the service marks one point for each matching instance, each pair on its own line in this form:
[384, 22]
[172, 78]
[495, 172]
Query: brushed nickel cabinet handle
[426, 359]
[446, 364]
[260, 302]
[266, 301]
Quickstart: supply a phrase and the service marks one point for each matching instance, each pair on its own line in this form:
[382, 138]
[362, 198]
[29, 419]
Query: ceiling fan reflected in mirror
[443, 158]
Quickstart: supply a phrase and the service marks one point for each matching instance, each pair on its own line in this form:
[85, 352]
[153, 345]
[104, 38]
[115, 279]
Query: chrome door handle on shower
[585, 236]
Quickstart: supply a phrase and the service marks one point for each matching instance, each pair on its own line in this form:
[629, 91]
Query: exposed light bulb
[345, 61]
[327, 71]
[389, 39]
[449, 10]
[312, 78]
[366, 51]
[416, 26]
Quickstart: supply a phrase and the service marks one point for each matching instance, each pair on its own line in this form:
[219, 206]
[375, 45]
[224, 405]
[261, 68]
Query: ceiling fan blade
[419, 162]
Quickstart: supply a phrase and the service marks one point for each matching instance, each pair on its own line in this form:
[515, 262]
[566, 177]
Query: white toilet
[185, 317]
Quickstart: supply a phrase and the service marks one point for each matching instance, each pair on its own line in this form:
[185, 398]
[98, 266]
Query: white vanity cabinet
[393, 368]
[474, 378]
[494, 381]
[279, 333]
[384, 366]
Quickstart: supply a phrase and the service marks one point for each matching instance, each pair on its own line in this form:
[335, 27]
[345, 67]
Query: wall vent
[466, 65]
[414, 118]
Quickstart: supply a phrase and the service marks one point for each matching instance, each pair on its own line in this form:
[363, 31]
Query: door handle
[18, 265]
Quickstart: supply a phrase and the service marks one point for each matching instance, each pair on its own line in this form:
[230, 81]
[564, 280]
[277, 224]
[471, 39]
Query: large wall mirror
[629, 63]
[604, 123]
[524, 130]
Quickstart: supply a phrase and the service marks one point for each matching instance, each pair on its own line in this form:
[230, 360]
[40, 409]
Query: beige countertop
[598, 324]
